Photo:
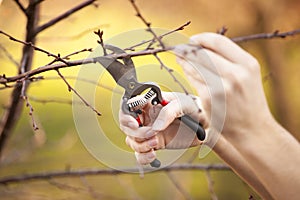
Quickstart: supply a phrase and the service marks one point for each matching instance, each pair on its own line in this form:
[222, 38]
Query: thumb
[167, 115]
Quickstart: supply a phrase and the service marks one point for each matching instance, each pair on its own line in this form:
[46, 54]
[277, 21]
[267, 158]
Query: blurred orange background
[56, 145]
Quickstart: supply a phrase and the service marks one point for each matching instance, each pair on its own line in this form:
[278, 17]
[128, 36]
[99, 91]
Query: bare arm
[240, 166]
[270, 151]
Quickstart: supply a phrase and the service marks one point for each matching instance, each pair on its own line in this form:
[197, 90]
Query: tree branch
[54, 100]
[210, 182]
[22, 8]
[28, 104]
[275, 34]
[4, 79]
[148, 24]
[70, 88]
[107, 87]
[30, 44]
[71, 37]
[170, 71]
[12, 114]
[63, 16]
[36, 2]
[184, 193]
[90, 172]
[10, 57]
[180, 28]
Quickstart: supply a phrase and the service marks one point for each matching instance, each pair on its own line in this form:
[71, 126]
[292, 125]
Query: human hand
[242, 85]
[269, 151]
[160, 128]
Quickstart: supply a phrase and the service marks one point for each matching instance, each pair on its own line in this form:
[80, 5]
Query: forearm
[269, 150]
[237, 163]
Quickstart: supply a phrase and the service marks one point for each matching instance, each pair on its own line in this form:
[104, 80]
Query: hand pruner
[125, 76]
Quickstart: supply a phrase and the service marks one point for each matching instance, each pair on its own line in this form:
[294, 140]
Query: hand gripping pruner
[125, 76]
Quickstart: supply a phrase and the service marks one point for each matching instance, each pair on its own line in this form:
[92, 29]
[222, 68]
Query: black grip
[155, 163]
[195, 126]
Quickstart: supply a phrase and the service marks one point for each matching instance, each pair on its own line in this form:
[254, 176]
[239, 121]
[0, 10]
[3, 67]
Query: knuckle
[235, 80]
[253, 64]
[139, 148]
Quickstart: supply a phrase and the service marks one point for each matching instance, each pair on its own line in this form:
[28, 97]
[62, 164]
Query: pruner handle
[190, 122]
[195, 126]
[155, 163]
[187, 120]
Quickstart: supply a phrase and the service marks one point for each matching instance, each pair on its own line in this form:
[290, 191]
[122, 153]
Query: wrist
[253, 132]
[269, 149]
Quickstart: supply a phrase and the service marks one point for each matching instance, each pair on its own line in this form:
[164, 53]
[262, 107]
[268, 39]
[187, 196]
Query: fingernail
[132, 125]
[153, 142]
[158, 125]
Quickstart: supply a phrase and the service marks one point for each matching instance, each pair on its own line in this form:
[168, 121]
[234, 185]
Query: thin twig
[275, 34]
[148, 24]
[184, 193]
[63, 16]
[67, 187]
[77, 52]
[71, 37]
[57, 57]
[210, 182]
[128, 187]
[25, 98]
[90, 172]
[194, 155]
[54, 100]
[90, 189]
[4, 80]
[109, 88]
[170, 71]
[67, 57]
[22, 8]
[99, 33]
[222, 30]
[70, 88]
[9, 56]
[182, 27]
[71, 188]
[66, 64]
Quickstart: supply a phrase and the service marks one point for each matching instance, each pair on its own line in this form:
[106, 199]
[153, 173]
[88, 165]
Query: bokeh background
[56, 145]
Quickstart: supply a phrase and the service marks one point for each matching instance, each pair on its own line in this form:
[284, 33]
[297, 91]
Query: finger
[166, 116]
[224, 47]
[141, 132]
[196, 57]
[142, 146]
[145, 158]
[183, 104]
[127, 121]
[205, 64]
[190, 71]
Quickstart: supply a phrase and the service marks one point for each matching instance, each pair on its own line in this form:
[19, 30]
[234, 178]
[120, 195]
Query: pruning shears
[125, 75]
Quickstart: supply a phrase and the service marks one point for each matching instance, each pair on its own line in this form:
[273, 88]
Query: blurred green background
[56, 145]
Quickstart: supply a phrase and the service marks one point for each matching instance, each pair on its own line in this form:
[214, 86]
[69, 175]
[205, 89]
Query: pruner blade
[124, 74]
